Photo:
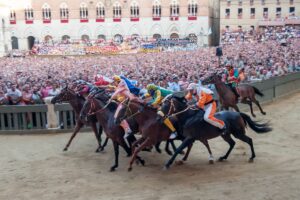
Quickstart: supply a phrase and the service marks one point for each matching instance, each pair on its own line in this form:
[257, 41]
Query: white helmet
[192, 86]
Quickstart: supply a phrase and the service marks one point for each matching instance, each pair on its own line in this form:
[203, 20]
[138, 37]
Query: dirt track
[34, 167]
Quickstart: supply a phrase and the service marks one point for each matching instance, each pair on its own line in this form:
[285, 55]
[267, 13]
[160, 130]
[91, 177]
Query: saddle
[196, 118]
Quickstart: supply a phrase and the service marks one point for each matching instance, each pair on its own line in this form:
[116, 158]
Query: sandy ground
[34, 167]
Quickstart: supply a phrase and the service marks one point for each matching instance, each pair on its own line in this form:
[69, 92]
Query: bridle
[173, 109]
[93, 106]
[65, 95]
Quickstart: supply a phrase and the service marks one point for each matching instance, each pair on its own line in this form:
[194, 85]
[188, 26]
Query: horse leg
[187, 152]
[157, 147]
[248, 140]
[133, 146]
[186, 142]
[76, 130]
[258, 105]
[104, 144]
[136, 151]
[211, 157]
[167, 148]
[231, 143]
[116, 149]
[236, 108]
[98, 137]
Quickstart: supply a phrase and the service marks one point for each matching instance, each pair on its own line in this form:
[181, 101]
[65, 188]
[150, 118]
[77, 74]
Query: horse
[195, 128]
[104, 113]
[229, 99]
[68, 95]
[152, 131]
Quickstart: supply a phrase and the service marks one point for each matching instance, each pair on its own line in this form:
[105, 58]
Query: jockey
[130, 84]
[158, 94]
[121, 93]
[102, 81]
[84, 88]
[232, 79]
[206, 102]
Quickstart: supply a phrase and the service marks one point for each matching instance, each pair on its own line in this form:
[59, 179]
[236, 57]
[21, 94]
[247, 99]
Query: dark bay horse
[202, 131]
[104, 113]
[152, 131]
[229, 99]
[68, 95]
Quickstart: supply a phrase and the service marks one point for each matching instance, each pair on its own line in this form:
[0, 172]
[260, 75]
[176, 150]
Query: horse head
[66, 94]
[212, 79]
[170, 105]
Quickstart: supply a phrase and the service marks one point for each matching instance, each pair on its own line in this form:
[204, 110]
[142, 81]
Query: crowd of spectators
[28, 80]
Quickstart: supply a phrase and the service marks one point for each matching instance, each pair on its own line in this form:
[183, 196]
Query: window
[64, 11]
[240, 2]
[252, 12]
[278, 12]
[251, 2]
[156, 9]
[227, 12]
[291, 2]
[252, 28]
[227, 28]
[84, 13]
[228, 2]
[240, 12]
[292, 11]
[29, 13]
[278, 2]
[265, 13]
[12, 15]
[174, 8]
[134, 10]
[263, 2]
[192, 8]
[100, 10]
[46, 12]
[117, 10]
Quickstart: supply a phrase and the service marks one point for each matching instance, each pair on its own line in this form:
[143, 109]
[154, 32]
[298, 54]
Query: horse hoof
[182, 152]
[142, 162]
[130, 169]
[251, 160]
[112, 169]
[98, 150]
[165, 168]
[65, 149]
[211, 162]
[221, 159]
[264, 113]
[253, 115]
[169, 153]
[179, 162]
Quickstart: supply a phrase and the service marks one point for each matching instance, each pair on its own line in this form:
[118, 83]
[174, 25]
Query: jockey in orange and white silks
[206, 102]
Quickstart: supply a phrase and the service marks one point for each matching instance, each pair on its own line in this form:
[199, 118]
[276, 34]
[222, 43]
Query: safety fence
[61, 117]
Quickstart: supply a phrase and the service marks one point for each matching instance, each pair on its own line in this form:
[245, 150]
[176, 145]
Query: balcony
[84, 20]
[191, 18]
[134, 19]
[46, 21]
[64, 21]
[100, 19]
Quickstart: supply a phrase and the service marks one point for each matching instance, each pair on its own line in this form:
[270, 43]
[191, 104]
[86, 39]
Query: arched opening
[118, 38]
[65, 37]
[85, 37]
[48, 38]
[30, 41]
[156, 36]
[174, 36]
[193, 38]
[135, 36]
[14, 43]
[101, 37]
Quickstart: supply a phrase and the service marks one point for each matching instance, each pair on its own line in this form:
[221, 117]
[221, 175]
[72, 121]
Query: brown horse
[68, 95]
[152, 131]
[195, 128]
[104, 113]
[229, 99]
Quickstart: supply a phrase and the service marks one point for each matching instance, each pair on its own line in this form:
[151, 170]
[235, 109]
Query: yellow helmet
[151, 87]
[117, 78]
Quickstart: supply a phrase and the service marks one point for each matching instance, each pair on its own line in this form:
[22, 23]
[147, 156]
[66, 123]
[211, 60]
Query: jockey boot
[173, 135]
[223, 130]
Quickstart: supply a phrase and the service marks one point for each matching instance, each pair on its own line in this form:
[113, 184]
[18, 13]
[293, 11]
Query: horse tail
[257, 91]
[255, 126]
